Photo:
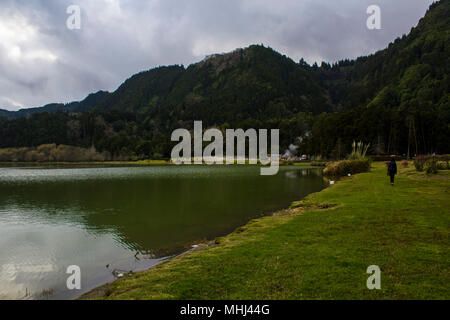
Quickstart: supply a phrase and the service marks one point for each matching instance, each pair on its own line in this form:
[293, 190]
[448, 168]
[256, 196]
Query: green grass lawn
[321, 248]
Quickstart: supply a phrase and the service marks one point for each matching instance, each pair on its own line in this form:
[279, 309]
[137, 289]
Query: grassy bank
[321, 248]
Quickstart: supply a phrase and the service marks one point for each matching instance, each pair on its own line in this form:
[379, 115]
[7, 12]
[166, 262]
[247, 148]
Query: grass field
[320, 248]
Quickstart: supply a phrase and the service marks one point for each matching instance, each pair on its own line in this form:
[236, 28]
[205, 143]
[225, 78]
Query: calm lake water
[114, 220]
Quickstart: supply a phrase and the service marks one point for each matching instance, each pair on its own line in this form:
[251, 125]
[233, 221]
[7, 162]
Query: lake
[112, 220]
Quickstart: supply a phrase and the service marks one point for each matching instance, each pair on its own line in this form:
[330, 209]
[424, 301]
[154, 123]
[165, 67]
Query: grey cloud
[41, 61]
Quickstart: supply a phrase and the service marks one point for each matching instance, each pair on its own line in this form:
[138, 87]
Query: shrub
[442, 165]
[359, 151]
[431, 165]
[444, 162]
[419, 162]
[405, 164]
[51, 152]
[343, 168]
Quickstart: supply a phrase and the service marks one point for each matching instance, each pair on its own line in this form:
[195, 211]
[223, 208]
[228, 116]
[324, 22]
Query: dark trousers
[392, 178]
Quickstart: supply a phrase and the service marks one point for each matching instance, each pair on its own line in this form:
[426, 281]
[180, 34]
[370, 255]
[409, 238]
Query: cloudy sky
[42, 61]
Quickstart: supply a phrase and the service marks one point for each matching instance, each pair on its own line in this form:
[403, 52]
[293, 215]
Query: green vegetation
[359, 151]
[342, 168]
[396, 99]
[51, 153]
[431, 164]
[442, 165]
[321, 248]
[357, 162]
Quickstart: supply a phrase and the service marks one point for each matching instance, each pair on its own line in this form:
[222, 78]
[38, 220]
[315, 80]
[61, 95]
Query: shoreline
[102, 289]
[197, 246]
[180, 243]
[292, 253]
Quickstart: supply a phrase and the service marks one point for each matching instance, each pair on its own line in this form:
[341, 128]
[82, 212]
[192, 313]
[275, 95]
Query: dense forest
[396, 99]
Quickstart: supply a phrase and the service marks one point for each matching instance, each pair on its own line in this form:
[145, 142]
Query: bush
[52, 153]
[444, 162]
[442, 165]
[345, 167]
[359, 151]
[405, 164]
[419, 162]
[431, 165]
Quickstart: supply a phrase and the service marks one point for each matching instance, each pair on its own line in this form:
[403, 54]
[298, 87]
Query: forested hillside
[396, 99]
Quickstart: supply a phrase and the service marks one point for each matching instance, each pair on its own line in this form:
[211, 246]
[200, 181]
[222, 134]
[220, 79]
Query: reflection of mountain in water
[154, 209]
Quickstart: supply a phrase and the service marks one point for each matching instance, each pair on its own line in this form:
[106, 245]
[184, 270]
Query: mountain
[90, 102]
[242, 83]
[255, 82]
[396, 99]
[409, 65]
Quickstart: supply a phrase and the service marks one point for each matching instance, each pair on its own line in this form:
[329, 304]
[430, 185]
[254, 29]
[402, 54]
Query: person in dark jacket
[392, 170]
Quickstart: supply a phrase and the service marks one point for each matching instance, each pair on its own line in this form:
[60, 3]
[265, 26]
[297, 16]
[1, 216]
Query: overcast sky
[42, 61]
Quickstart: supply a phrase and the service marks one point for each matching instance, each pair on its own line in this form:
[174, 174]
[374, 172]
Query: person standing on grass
[392, 170]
